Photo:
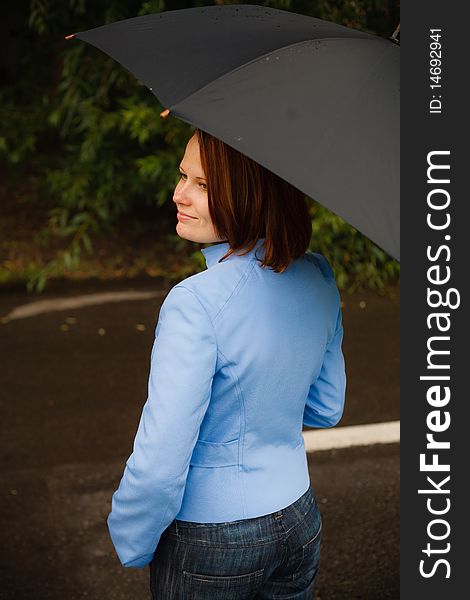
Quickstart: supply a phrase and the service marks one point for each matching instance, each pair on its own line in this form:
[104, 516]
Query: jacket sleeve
[182, 367]
[325, 402]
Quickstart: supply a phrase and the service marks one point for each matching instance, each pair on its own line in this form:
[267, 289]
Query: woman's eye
[183, 176]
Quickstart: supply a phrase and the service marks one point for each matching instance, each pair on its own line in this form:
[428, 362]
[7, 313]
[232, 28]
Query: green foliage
[90, 134]
[356, 261]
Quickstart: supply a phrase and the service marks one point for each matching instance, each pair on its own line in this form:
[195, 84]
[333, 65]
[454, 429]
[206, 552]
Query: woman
[216, 495]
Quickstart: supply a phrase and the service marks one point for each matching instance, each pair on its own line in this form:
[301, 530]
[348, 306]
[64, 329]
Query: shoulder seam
[243, 278]
[323, 265]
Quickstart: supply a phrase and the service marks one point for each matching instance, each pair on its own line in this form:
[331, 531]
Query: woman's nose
[179, 195]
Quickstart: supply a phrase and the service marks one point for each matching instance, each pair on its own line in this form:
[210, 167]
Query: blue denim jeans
[275, 556]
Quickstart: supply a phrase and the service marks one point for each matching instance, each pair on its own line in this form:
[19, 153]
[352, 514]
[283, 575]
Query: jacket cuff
[140, 562]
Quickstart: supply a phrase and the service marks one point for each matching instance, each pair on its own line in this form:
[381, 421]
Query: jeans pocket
[232, 587]
[307, 570]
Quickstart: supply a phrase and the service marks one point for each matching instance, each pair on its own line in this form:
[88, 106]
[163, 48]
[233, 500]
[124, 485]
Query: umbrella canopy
[314, 102]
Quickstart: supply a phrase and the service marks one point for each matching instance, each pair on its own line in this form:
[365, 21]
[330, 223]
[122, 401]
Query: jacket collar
[213, 253]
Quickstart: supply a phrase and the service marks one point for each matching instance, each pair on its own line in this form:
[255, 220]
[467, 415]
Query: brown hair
[247, 202]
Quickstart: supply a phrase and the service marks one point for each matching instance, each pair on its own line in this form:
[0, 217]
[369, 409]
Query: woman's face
[190, 196]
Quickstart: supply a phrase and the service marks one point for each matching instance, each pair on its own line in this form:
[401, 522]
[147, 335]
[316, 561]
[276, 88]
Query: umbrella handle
[395, 34]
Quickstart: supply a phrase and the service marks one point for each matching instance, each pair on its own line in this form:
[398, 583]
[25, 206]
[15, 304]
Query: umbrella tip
[69, 37]
[165, 113]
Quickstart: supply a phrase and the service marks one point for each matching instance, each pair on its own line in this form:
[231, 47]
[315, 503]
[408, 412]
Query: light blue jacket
[242, 357]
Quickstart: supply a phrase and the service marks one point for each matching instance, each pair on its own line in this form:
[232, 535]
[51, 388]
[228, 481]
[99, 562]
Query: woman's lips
[183, 217]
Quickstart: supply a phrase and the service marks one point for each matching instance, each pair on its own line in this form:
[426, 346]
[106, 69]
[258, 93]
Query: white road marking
[32, 309]
[354, 435]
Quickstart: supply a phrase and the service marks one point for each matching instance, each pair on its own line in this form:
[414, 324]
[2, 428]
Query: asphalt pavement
[72, 386]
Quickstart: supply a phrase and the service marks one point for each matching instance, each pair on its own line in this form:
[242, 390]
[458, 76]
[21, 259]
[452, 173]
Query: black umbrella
[314, 102]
